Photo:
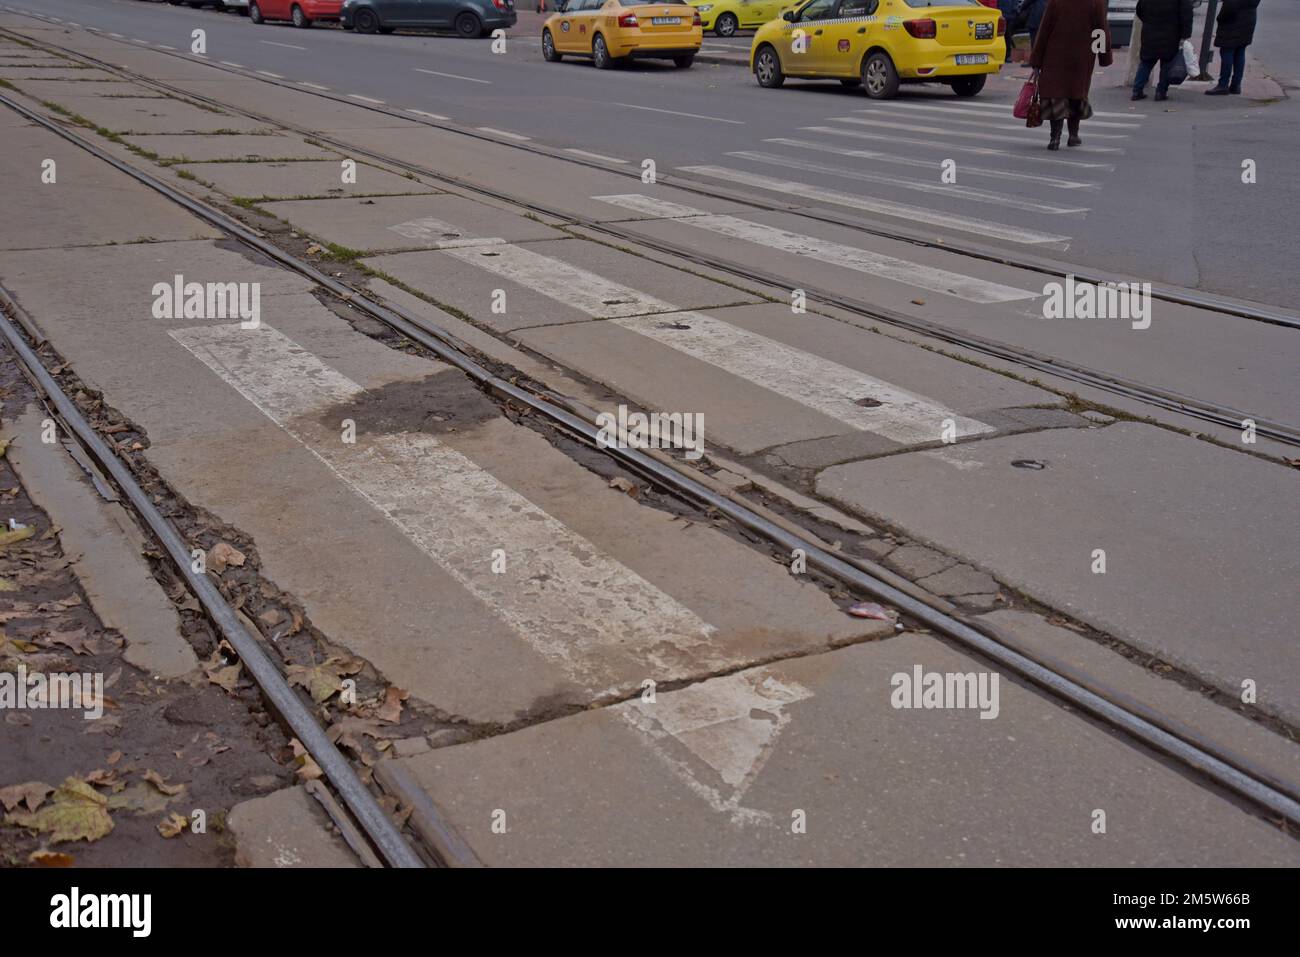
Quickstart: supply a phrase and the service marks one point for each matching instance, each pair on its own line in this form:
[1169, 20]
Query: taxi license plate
[665, 21]
[966, 59]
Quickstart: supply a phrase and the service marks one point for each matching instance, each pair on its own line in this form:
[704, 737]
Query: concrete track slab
[207, 148]
[409, 222]
[15, 74]
[293, 180]
[744, 415]
[718, 773]
[443, 277]
[299, 107]
[153, 115]
[84, 205]
[54, 90]
[1197, 571]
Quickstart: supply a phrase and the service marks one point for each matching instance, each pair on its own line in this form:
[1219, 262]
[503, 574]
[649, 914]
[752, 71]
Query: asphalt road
[1154, 195]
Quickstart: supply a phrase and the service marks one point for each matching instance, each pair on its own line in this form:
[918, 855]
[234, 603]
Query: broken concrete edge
[430, 823]
[105, 548]
[286, 828]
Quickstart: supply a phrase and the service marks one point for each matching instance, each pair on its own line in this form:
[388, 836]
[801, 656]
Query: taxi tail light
[627, 20]
[696, 21]
[500, 4]
[1002, 26]
[921, 29]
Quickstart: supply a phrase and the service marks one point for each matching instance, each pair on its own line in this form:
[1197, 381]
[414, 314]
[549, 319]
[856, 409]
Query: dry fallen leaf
[173, 824]
[306, 767]
[44, 858]
[156, 779]
[390, 708]
[221, 556]
[324, 680]
[220, 674]
[32, 794]
[77, 812]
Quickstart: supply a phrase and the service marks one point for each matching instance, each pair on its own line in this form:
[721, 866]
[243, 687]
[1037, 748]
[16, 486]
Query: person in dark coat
[1008, 10]
[1236, 29]
[1063, 58]
[1027, 18]
[1165, 25]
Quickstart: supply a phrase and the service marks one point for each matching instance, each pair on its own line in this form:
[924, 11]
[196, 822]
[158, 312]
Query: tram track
[1213, 763]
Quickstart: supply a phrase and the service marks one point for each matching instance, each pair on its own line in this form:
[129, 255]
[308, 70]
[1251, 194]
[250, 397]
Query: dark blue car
[469, 18]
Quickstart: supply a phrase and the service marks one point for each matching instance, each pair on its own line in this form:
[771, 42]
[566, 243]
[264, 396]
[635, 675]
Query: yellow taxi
[725, 17]
[611, 32]
[881, 44]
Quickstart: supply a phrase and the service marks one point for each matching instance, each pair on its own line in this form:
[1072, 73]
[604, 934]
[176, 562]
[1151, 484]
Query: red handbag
[1027, 95]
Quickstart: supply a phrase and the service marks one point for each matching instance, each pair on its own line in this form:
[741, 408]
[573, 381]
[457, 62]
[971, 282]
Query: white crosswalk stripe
[917, 214]
[970, 134]
[567, 600]
[953, 190]
[861, 260]
[800, 376]
[958, 115]
[1014, 126]
[893, 138]
[932, 165]
[1002, 108]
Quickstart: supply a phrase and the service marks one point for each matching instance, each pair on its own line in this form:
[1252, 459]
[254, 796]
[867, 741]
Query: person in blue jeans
[1235, 31]
[1165, 25]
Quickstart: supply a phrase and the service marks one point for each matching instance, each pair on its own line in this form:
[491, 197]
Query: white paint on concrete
[958, 191]
[1015, 127]
[942, 131]
[894, 139]
[916, 214]
[365, 99]
[838, 254]
[567, 599]
[958, 115]
[431, 116]
[596, 156]
[800, 376]
[506, 133]
[929, 164]
[439, 234]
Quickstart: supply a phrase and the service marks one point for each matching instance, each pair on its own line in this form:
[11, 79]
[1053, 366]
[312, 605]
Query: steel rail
[359, 800]
[1209, 760]
[1212, 302]
[1223, 416]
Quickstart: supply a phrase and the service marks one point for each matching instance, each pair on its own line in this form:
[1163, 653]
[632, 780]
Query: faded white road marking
[564, 597]
[1004, 109]
[730, 723]
[861, 260]
[237, 66]
[437, 233]
[961, 147]
[694, 116]
[916, 214]
[1016, 127]
[274, 76]
[314, 86]
[431, 116]
[452, 76]
[365, 99]
[596, 156]
[810, 380]
[929, 164]
[506, 133]
[287, 46]
[952, 191]
[942, 131]
[956, 115]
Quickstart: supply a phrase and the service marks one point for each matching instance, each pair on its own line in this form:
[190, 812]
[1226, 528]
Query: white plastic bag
[1191, 59]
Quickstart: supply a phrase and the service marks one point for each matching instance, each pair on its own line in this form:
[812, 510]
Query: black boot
[1074, 140]
[1055, 142]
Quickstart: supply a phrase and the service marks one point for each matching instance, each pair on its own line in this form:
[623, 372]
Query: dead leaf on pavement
[390, 707]
[221, 674]
[44, 858]
[32, 794]
[173, 824]
[156, 779]
[77, 812]
[221, 556]
[306, 767]
[325, 680]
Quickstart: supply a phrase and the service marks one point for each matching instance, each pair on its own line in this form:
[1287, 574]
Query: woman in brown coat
[1070, 39]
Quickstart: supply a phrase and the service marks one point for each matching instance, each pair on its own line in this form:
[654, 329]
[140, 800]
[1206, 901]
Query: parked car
[612, 32]
[469, 18]
[240, 5]
[725, 17]
[879, 44]
[302, 13]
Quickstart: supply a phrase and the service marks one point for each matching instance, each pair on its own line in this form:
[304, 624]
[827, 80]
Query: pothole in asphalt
[1032, 464]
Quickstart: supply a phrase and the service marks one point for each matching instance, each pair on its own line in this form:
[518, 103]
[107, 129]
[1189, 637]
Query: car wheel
[968, 85]
[549, 53]
[255, 13]
[879, 77]
[299, 18]
[683, 62]
[767, 68]
[600, 54]
[468, 25]
[366, 21]
[726, 25]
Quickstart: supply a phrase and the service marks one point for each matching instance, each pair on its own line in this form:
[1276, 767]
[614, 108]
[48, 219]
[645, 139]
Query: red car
[301, 12]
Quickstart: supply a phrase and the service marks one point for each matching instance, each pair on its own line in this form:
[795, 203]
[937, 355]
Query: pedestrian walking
[1072, 37]
[1165, 25]
[1235, 29]
[1008, 10]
